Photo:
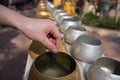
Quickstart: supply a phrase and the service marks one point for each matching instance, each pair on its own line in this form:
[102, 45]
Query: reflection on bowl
[72, 33]
[104, 69]
[87, 48]
[50, 66]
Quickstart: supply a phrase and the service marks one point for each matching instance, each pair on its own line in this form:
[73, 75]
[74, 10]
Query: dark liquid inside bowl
[55, 65]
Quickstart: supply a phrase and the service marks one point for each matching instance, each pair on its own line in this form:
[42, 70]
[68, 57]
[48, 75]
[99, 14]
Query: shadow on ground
[13, 54]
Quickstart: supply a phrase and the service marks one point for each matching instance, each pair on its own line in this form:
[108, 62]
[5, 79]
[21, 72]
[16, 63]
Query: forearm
[35, 29]
[10, 17]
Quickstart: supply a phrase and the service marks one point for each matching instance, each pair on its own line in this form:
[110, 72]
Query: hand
[44, 31]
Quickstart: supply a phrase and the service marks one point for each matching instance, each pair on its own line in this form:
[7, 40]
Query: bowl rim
[66, 76]
[107, 58]
[88, 42]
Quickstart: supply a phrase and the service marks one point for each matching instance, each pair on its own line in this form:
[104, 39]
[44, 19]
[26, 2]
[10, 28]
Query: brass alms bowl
[50, 66]
[37, 48]
[42, 10]
[43, 14]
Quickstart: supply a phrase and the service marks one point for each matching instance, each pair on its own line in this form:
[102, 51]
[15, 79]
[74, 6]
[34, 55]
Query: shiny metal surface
[49, 5]
[37, 48]
[59, 13]
[42, 4]
[42, 8]
[71, 34]
[58, 10]
[43, 14]
[50, 66]
[62, 17]
[66, 23]
[52, 11]
[87, 48]
[104, 69]
[42, 11]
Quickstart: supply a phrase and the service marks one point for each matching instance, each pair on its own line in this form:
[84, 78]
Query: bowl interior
[90, 40]
[72, 20]
[78, 28]
[109, 65]
[55, 65]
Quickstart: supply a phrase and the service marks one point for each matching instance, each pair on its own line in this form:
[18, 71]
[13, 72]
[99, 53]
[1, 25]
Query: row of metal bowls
[84, 47]
[88, 49]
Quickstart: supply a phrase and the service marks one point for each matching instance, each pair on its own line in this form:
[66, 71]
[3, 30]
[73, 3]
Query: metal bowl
[87, 48]
[72, 33]
[43, 14]
[37, 48]
[58, 10]
[52, 11]
[42, 4]
[59, 13]
[104, 69]
[49, 5]
[66, 23]
[62, 17]
[50, 66]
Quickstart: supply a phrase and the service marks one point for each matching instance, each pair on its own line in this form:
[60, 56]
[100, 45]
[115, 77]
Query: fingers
[49, 44]
[50, 36]
[52, 40]
[56, 37]
[55, 41]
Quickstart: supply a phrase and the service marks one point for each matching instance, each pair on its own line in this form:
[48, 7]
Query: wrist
[21, 23]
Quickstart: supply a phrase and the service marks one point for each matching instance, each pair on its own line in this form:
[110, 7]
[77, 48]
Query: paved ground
[14, 49]
[13, 54]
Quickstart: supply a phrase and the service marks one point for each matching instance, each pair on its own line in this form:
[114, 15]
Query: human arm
[42, 30]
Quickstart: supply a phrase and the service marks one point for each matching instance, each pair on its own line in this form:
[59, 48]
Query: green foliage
[90, 19]
[106, 22]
